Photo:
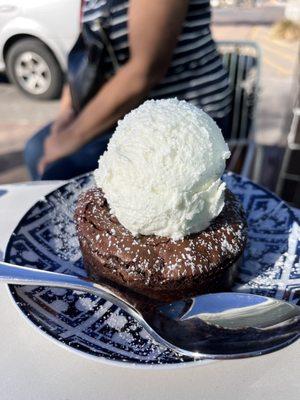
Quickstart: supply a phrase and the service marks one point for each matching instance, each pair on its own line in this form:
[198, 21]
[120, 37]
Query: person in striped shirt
[164, 49]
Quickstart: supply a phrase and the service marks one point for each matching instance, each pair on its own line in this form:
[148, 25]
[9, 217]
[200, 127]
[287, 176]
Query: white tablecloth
[34, 368]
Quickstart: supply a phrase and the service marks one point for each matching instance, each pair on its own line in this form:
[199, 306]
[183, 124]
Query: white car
[35, 37]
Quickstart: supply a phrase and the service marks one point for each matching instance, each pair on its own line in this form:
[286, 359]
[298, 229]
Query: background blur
[274, 25]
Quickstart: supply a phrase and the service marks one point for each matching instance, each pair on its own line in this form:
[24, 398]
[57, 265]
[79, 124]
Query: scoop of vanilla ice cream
[161, 172]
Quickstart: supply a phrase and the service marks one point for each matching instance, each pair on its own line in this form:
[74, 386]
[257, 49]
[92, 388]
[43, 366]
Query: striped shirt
[196, 73]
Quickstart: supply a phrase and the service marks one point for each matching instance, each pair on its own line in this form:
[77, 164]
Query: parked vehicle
[35, 37]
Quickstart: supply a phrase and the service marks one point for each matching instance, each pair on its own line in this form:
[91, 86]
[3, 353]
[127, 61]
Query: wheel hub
[32, 73]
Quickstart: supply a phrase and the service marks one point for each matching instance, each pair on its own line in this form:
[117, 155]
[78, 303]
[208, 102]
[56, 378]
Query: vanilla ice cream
[161, 172]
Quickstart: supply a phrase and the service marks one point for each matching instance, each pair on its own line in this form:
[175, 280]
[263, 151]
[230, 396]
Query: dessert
[161, 173]
[161, 221]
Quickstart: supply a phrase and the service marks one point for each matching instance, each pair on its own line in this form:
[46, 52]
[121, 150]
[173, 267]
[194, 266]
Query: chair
[288, 184]
[243, 60]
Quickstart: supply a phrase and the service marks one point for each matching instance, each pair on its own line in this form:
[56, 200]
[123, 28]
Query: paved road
[20, 117]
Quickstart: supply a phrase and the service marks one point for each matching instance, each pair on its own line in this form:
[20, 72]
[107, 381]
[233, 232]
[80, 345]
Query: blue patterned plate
[46, 237]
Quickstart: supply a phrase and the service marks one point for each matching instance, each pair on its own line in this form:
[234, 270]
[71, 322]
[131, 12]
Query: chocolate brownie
[159, 267]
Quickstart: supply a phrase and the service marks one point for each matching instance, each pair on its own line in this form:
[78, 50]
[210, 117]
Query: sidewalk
[265, 15]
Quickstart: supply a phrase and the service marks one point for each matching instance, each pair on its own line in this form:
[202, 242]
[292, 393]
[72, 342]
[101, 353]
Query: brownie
[158, 267]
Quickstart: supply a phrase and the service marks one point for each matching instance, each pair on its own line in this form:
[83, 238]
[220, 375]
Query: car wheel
[33, 68]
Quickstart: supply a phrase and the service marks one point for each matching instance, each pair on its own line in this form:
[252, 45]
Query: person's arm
[154, 27]
[65, 101]
[66, 113]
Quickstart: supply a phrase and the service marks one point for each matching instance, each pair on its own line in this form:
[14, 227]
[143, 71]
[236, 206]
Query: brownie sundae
[160, 220]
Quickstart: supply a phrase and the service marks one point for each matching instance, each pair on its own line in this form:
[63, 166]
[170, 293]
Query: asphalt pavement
[20, 117]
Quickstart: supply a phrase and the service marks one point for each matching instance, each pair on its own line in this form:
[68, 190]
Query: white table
[34, 368]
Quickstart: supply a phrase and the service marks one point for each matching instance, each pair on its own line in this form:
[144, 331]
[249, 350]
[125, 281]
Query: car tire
[32, 67]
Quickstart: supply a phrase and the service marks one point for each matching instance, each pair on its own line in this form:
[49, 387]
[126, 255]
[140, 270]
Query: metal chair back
[288, 184]
[243, 62]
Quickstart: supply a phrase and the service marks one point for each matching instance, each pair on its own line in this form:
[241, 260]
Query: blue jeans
[82, 161]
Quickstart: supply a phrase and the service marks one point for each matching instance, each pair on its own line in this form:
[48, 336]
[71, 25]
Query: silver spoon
[212, 326]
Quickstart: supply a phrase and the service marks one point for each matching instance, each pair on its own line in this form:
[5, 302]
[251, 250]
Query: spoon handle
[14, 274]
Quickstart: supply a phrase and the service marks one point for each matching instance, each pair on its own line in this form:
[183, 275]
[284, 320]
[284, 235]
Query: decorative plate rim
[101, 359]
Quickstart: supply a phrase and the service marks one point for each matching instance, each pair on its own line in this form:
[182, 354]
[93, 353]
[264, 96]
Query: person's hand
[56, 138]
[57, 145]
